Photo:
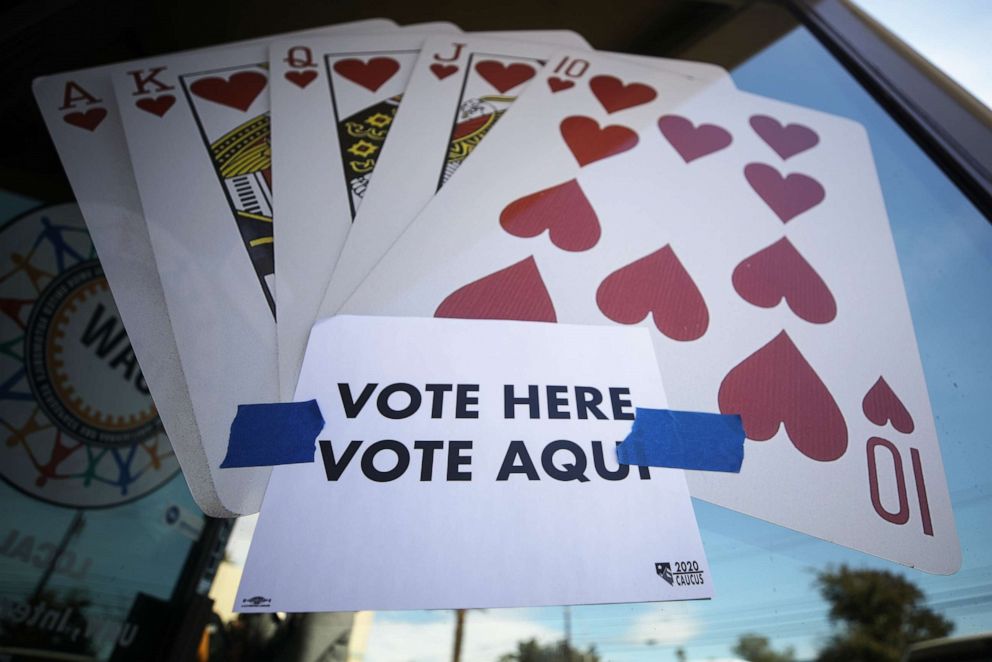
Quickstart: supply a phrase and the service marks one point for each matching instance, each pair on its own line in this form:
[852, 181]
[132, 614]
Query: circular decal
[78, 424]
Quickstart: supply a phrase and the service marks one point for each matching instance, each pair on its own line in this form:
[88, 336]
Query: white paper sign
[470, 463]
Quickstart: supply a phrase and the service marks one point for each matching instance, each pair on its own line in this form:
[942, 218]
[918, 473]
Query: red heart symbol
[371, 75]
[156, 105]
[590, 143]
[504, 77]
[692, 142]
[558, 84]
[776, 386]
[881, 405]
[779, 272]
[442, 71]
[786, 196]
[785, 140]
[238, 91]
[88, 120]
[563, 210]
[301, 78]
[614, 95]
[659, 285]
[515, 293]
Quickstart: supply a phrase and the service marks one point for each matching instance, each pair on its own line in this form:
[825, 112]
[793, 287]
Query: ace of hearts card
[85, 125]
[750, 238]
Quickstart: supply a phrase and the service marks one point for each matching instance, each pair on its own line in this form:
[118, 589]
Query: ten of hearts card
[750, 237]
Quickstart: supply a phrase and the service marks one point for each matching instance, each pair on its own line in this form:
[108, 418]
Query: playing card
[334, 102]
[751, 238]
[458, 91]
[82, 118]
[198, 137]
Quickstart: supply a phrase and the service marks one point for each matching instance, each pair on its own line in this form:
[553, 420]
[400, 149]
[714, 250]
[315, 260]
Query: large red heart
[504, 77]
[301, 78]
[515, 293]
[614, 95]
[656, 285]
[88, 120]
[156, 105]
[692, 142]
[371, 75]
[776, 386]
[881, 405]
[785, 140]
[442, 71]
[238, 91]
[590, 143]
[779, 272]
[788, 196]
[563, 210]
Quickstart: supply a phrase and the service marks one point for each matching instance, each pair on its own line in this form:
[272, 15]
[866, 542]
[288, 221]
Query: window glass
[764, 574]
[94, 579]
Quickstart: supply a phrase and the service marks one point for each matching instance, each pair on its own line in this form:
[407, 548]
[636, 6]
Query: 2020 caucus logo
[680, 573]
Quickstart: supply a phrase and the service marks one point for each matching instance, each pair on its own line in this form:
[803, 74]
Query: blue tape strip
[684, 440]
[276, 433]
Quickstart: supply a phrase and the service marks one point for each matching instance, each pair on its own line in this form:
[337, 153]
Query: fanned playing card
[196, 128]
[750, 237]
[334, 103]
[83, 120]
[458, 90]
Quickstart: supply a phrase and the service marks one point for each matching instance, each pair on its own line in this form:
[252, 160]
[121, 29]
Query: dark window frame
[948, 123]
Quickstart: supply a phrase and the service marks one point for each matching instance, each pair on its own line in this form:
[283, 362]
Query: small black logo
[680, 573]
[664, 571]
[256, 601]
